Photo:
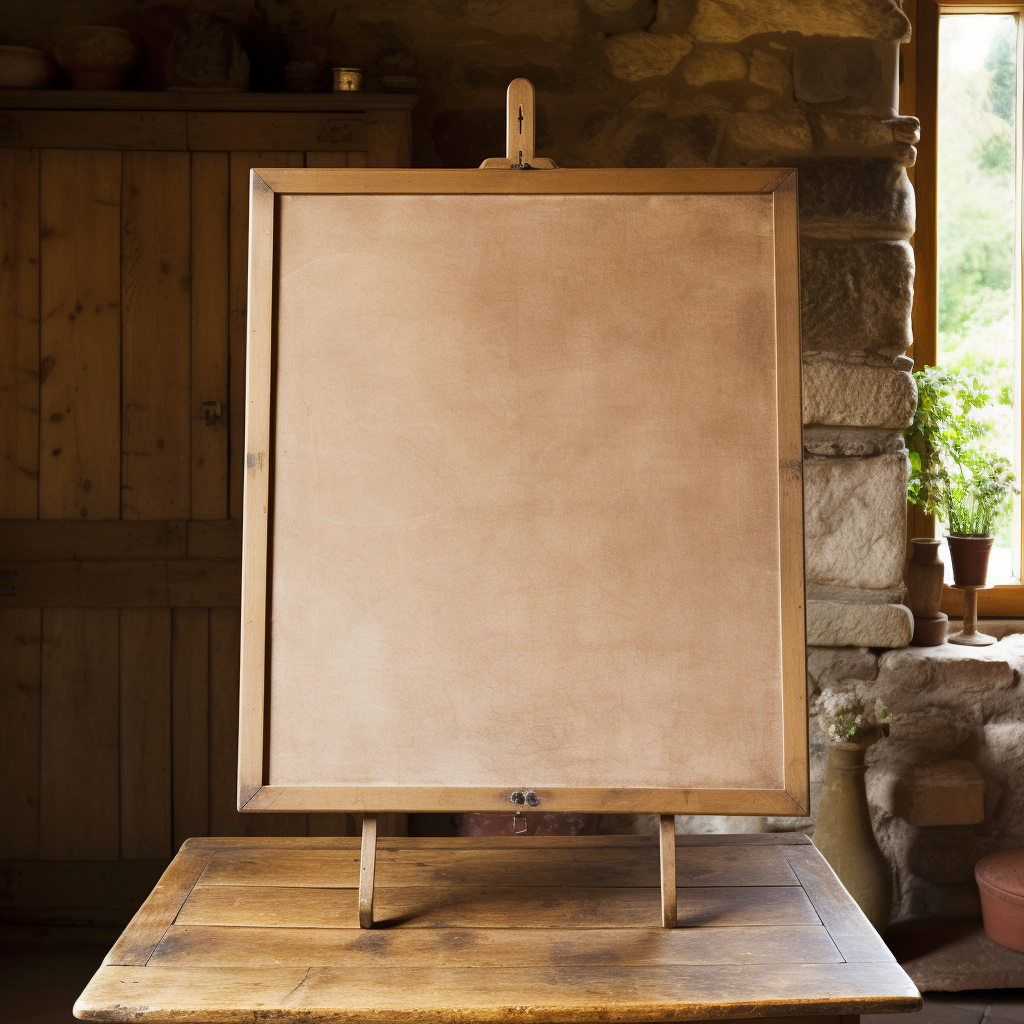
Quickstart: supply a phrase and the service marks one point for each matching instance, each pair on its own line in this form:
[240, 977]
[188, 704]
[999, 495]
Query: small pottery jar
[969, 556]
[924, 592]
[22, 67]
[347, 79]
[844, 836]
[96, 56]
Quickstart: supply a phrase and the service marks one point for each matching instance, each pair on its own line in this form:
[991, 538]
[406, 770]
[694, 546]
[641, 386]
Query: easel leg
[367, 859]
[667, 828]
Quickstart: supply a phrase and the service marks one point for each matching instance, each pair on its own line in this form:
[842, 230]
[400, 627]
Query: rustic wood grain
[175, 583]
[494, 906]
[387, 138]
[217, 946]
[224, 816]
[557, 994]
[48, 540]
[315, 159]
[213, 130]
[84, 130]
[500, 182]
[667, 865]
[20, 647]
[190, 722]
[517, 865]
[791, 498]
[220, 538]
[19, 333]
[240, 165]
[78, 798]
[367, 863]
[851, 931]
[151, 921]
[80, 335]
[156, 321]
[209, 384]
[145, 733]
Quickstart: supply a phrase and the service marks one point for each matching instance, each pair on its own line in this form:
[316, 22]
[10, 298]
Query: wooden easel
[520, 132]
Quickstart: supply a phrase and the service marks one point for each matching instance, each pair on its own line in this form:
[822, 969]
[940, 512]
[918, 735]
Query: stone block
[781, 133]
[834, 623]
[904, 129]
[855, 522]
[830, 70]
[946, 856]
[622, 15]
[936, 729]
[840, 128]
[729, 21]
[856, 297]
[769, 72]
[714, 65]
[847, 197]
[838, 394]
[963, 671]
[835, 666]
[634, 56]
[837, 441]
[945, 793]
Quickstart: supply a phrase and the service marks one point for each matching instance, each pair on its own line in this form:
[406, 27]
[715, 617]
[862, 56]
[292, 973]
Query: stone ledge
[841, 623]
[953, 956]
[838, 394]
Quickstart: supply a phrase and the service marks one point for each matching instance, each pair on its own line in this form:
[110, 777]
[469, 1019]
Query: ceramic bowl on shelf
[24, 67]
[96, 56]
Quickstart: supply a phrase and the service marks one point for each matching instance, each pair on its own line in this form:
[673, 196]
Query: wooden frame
[919, 97]
[253, 792]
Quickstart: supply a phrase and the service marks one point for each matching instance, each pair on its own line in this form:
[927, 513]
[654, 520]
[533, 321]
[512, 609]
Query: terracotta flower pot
[96, 56]
[969, 556]
[1000, 878]
[844, 836]
[924, 592]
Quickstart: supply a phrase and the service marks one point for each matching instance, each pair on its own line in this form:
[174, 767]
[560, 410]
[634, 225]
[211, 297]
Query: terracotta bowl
[1000, 878]
[23, 67]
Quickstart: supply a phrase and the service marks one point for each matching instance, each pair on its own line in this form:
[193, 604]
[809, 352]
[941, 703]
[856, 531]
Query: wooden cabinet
[123, 230]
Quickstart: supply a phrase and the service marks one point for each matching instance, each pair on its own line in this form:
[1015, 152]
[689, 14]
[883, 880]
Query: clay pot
[969, 556]
[96, 56]
[924, 593]
[23, 67]
[844, 836]
[1000, 878]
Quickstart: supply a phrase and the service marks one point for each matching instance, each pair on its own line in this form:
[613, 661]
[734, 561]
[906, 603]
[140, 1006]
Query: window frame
[918, 96]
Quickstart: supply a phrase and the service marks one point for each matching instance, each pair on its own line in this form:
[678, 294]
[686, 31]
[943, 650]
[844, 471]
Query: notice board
[523, 503]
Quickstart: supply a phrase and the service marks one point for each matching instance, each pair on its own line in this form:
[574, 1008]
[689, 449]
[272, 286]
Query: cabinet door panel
[19, 333]
[155, 284]
[80, 334]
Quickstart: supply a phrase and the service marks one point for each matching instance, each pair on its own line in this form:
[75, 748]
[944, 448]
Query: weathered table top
[497, 929]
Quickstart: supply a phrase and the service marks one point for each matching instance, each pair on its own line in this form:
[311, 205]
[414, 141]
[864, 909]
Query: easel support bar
[367, 862]
[667, 830]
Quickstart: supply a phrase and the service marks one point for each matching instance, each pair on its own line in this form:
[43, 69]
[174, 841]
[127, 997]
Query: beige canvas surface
[525, 522]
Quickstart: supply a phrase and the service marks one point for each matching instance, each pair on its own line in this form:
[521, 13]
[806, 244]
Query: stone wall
[944, 785]
[807, 83]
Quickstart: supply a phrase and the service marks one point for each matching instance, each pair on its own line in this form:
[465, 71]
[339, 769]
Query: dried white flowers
[844, 718]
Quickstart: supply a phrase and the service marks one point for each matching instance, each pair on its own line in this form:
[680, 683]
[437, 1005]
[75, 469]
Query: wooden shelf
[317, 102]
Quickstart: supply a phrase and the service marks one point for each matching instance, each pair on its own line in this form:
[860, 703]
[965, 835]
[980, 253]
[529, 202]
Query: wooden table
[541, 929]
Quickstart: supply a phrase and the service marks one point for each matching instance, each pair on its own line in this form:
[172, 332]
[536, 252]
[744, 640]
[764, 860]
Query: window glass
[978, 305]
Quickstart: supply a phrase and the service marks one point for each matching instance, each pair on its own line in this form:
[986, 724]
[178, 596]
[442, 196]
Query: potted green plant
[952, 474]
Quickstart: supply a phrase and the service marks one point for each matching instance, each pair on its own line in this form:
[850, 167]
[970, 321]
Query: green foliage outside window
[953, 475]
